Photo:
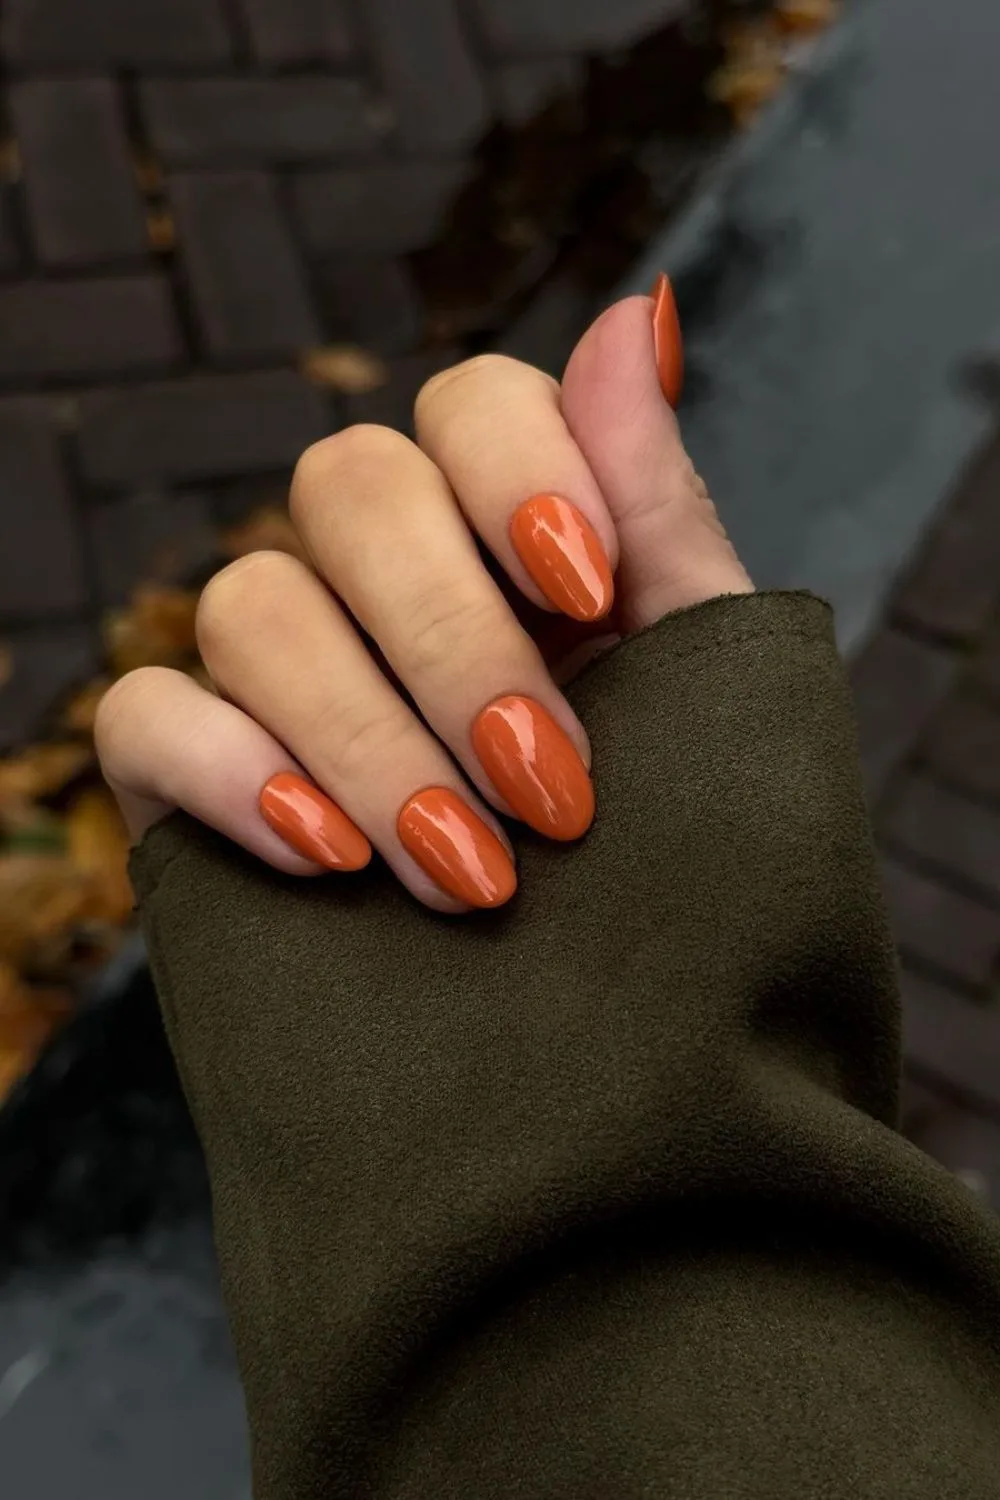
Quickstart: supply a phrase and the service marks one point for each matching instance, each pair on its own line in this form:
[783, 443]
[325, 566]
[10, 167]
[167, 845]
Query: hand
[353, 696]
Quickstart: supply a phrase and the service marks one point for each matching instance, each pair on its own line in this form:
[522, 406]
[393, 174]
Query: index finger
[494, 427]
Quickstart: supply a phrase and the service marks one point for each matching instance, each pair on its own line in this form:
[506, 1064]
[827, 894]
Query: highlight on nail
[312, 824]
[564, 556]
[535, 766]
[668, 341]
[453, 845]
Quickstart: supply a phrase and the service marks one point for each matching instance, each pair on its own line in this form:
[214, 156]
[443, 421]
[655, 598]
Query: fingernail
[668, 342]
[535, 766]
[563, 554]
[456, 848]
[314, 826]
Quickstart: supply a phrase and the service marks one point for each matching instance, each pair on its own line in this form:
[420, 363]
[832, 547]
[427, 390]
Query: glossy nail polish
[564, 555]
[668, 341]
[315, 827]
[456, 848]
[535, 766]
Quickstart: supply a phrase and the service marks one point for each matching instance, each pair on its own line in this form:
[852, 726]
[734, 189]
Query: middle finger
[384, 530]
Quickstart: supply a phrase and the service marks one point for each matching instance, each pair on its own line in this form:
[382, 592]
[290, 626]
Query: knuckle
[358, 741]
[120, 705]
[442, 390]
[449, 628]
[245, 587]
[323, 466]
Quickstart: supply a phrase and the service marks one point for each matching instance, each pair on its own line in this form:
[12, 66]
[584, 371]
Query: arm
[600, 1194]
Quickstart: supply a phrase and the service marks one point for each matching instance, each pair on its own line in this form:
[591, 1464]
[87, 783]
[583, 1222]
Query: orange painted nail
[563, 554]
[535, 766]
[314, 826]
[456, 848]
[668, 342]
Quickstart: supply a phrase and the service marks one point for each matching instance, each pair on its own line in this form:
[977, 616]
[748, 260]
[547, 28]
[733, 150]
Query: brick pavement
[196, 193]
[927, 688]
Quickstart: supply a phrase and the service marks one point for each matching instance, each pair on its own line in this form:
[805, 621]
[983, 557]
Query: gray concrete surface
[839, 273]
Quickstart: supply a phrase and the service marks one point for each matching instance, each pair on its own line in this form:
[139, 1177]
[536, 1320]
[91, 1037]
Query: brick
[300, 33]
[430, 76]
[218, 121]
[953, 588]
[86, 327]
[898, 684]
[10, 257]
[82, 198]
[525, 88]
[515, 27]
[947, 830]
[934, 925]
[150, 536]
[203, 427]
[115, 33]
[986, 665]
[47, 663]
[951, 1042]
[248, 287]
[390, 207]
[41, 559]
[963, 745]
[370, 300]
[392, 404]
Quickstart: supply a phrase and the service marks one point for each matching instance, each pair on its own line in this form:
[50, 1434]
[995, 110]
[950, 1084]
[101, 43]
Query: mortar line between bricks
[926, 968]
[166, 263]
[944, 875]
[966, 1098]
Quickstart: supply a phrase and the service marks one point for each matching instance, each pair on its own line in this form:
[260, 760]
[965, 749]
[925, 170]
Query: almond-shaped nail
[315, 827]
[456, 848]
[564, 555]
[535, 766]
[668, 342]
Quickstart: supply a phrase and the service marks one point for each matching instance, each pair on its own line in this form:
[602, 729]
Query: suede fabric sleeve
[600, 1195]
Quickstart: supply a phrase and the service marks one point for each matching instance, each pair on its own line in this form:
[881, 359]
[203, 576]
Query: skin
[390, 527]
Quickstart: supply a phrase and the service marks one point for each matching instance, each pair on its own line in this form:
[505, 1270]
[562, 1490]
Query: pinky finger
[166, 743]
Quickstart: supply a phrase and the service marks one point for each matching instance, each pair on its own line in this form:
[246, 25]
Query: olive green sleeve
[600, 1195]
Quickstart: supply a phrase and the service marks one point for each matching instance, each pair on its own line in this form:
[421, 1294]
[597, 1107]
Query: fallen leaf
[13, 1067]
[6, 664]
[745, 88]
[42, 899]
[29, 828]
[805, 16]
[81, 710]
[97, 844]
[346, 368]
[161, 229]
[268, 529]
[148, 173]
[157, 629]
[41, 770]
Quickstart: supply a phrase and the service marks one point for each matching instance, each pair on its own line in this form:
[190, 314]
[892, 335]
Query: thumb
[674, 549]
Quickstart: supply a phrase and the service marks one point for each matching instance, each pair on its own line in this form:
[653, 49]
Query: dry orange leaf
[346, 368]
[268, 529]
[805, 16]
[161, 229]
[98, 846]
[43, 898]
[41, 770]
[80, 712]
[13, 1066]
[157, 629]
[744, 88]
